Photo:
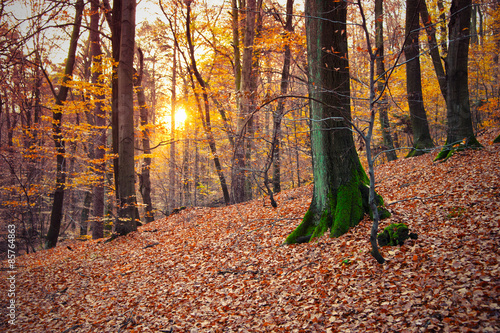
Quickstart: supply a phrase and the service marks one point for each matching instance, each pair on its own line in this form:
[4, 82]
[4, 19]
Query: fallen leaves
[225, 269]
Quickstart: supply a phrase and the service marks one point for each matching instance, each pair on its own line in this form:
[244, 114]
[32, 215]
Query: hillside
[225, 269]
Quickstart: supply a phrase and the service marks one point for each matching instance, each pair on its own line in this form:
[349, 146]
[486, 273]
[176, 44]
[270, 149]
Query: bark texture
[340, 195]
[126, 221]
[205, 118]
[280, 110]
[239, 189]
[145, 177]
[421, 134]
[460, 133]
[100, 123]
[57, 205]
[383, 104]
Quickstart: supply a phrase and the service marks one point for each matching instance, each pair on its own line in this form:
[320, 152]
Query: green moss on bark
[421, 148]
[497, 139]
[395, 234]
[449, 150]
[345, 208]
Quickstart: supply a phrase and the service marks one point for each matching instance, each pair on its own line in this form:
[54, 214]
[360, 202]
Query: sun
[180, 118]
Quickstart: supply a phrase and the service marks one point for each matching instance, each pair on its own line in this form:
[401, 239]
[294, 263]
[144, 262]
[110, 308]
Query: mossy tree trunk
[497, 139]
[460, 133]
[340, 195]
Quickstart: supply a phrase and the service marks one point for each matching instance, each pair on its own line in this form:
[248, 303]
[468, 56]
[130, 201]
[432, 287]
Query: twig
[71, 328]
[413, 198]
[300, 267]
[151, 245]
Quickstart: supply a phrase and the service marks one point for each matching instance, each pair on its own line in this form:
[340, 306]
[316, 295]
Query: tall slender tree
[383, 103]
[280, 109]
[145, 176]
[420, 126]
[433, 47]
[173, 110]
[341, 192]
[100, 123]
[239, 187]
[205, 114]
[57, 206]
[126, 221]
[460, 133]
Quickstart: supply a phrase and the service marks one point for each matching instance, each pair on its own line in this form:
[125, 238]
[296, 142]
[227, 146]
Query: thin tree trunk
[421, 135]
[84, 218]
[145, 178]
[126, 221]
[239, 189]
[58, 202]
[285, 77]
[100, 123]
[442, 28]
[206, 117]
[172, 160]
[383, 104]
[460, 131]
[115, 45]
[433, 47]
[235, 24]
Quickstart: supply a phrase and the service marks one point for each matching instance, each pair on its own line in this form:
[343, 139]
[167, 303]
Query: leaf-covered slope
[224, 269]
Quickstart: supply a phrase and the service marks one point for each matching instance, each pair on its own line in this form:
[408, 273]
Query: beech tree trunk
[383, 104]
[421, 134]
[280, 110]
[235, 26]
[433, 47]
[145, 177]
[205, 118]
[100, 123]
[115, 26]
[239, 188]
[460, 133]
[126, 221]
[341, 192]
[57, 205]
[172, 160]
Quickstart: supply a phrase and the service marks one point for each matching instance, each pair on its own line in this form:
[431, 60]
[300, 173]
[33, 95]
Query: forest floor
[225, 269]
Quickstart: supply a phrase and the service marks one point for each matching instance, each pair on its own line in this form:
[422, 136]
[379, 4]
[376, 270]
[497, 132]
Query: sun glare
[180, 118]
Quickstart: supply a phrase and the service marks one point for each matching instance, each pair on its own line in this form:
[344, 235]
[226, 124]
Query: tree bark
[460, 133]
[235, 25]
[172, 160]
[115, 45]
[57, 206]
[421, 134]
[340, 195]
[205, 118]
[277, 117]
[239, 189]
[383, 104]
[145, 178]
[126, 221]
[100, 123]
[433, 47]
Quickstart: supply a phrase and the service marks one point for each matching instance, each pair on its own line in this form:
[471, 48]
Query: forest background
[56, 124]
